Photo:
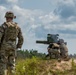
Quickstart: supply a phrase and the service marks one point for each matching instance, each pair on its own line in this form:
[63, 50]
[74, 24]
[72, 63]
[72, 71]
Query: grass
[38, 66]
[28, 66]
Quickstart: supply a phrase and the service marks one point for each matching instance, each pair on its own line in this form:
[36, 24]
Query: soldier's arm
[20, 39]
[1, 33]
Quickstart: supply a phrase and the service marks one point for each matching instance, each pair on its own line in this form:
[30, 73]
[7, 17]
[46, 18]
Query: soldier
[53, 50]
[63, 49]
[10, 40]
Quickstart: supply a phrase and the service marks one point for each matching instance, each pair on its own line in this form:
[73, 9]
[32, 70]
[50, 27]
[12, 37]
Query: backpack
[11, 31]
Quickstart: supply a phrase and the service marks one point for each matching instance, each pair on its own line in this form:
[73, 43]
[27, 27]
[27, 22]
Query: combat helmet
[9, 14]
[61, 41]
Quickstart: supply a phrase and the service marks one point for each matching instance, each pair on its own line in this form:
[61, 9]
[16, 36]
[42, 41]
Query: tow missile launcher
[51, 38]
[54, 42]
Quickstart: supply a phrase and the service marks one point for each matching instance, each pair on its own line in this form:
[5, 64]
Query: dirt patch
[54, 65]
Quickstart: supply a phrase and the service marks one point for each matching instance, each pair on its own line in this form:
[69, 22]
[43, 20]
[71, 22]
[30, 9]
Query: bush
[28, 66]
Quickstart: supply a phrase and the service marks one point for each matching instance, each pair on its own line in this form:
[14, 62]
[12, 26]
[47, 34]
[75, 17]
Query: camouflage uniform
[53, 50]
[63, 50]
[9, 32]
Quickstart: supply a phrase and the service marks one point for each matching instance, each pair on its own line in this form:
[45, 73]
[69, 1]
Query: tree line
[29, 54]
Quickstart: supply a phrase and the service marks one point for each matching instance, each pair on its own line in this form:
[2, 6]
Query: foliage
[29, 54]
[28, 66]
[73, 66]
[30, 62]
[39, 66]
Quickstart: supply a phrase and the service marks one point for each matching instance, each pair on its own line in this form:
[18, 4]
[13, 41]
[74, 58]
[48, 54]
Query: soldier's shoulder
[17, 25]
[14, 23]
[3, 24]
[1, 27]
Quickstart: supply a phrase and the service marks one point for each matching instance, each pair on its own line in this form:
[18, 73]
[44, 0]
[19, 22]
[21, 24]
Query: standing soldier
[9, 32]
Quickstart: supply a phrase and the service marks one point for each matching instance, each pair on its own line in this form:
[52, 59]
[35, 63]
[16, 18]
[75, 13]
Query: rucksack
[11, 31]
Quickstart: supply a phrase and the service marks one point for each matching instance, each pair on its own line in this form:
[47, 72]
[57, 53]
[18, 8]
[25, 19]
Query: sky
[37, 18]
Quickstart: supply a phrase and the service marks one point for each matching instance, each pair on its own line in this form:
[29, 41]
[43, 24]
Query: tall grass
[28, 66]
[37, 66]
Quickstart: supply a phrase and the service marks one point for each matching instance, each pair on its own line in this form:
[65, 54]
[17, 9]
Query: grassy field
[38, 66]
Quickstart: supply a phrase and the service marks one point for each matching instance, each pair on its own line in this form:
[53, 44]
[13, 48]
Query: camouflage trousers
[64, 54]
[63, 50]
[7, 60]
[54, 53]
